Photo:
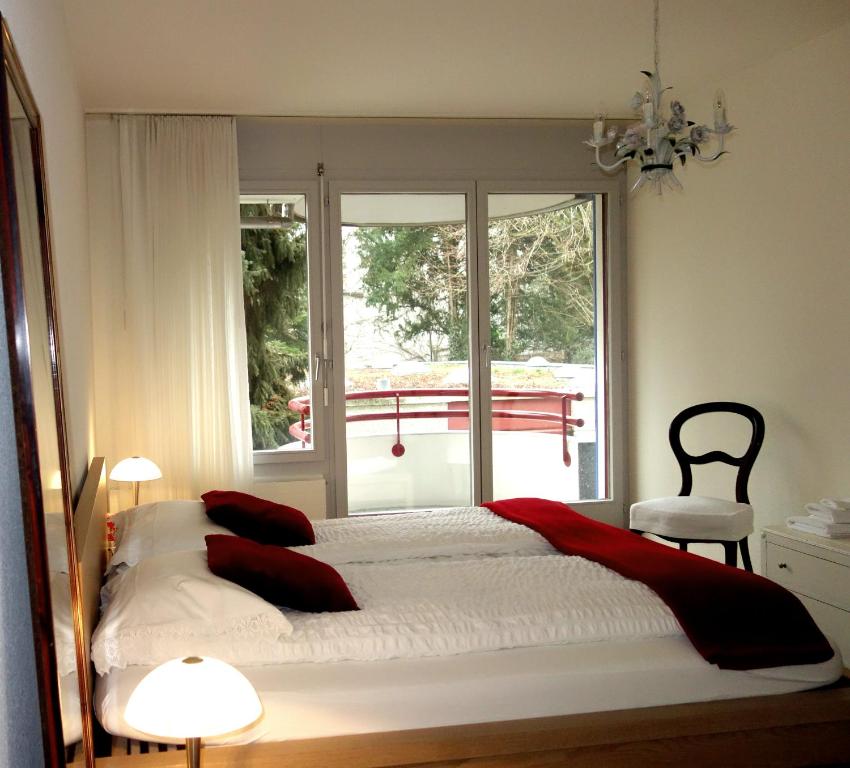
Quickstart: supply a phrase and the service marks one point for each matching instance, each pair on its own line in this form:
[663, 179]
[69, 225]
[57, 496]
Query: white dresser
[817, 570]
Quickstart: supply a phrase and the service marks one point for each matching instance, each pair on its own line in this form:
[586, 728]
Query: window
[275, 273]
[406, 351]
[546, 350]
[423, 344]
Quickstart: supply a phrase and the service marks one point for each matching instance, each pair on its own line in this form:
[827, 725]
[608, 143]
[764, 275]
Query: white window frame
[611, 298]
[611, 328]
[313, 461]
[336, 189]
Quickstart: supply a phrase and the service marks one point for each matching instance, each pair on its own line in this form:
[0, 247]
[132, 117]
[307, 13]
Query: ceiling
[417, 58]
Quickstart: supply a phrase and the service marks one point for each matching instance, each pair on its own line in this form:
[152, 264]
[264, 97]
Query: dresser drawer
[832, 622]
[809, 575]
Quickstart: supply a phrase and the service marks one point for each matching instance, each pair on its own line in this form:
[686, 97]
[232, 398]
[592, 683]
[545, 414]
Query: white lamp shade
[135, 469]
[193, 697]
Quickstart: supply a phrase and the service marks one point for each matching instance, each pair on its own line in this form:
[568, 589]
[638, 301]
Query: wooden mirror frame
[24, 410]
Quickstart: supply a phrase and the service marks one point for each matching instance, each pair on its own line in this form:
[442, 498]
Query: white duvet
[429, 583]
[409, 609]
[165, 527]
[460, 531]
[427, 608]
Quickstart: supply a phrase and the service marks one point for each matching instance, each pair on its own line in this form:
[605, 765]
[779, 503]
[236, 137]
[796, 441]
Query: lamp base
[193, 753]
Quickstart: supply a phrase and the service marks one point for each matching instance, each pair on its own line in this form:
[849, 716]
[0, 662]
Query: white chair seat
[693, 517]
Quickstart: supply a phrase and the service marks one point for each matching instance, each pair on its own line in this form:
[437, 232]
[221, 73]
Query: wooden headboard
[90, 535]
[90, 540]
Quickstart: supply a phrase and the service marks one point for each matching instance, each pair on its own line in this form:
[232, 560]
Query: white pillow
[159, 528]
[172, 605]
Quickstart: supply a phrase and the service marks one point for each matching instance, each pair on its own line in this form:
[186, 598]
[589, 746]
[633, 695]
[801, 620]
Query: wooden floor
[802, 729]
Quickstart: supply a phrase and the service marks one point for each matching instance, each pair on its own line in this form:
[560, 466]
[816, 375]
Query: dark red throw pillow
[279, 575]
[259, 519]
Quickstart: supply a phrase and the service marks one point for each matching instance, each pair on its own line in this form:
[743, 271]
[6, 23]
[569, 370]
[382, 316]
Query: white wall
[38, 29]
[738, 287]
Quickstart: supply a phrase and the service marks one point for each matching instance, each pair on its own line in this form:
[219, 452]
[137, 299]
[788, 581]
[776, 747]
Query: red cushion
[259, 519]
[279, 575]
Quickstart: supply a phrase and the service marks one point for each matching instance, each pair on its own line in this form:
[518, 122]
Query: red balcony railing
[551, 412]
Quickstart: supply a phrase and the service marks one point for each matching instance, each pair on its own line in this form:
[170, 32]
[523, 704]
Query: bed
[638, 702]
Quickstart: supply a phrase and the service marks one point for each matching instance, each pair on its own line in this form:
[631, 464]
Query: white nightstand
[817, 570]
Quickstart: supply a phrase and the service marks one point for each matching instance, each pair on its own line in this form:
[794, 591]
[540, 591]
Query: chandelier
[656, 141]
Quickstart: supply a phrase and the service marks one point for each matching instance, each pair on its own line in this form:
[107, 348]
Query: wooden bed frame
[797, 729]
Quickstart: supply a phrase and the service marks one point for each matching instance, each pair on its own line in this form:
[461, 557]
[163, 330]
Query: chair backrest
[744, 462]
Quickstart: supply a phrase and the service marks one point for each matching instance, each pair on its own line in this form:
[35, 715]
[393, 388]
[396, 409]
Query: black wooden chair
[687, 519]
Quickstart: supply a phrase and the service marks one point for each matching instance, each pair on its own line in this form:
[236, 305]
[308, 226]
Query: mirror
[37, 394]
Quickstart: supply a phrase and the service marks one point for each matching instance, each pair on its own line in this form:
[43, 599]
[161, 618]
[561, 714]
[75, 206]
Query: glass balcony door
[545, 350]
[401, 363]
[472, 334]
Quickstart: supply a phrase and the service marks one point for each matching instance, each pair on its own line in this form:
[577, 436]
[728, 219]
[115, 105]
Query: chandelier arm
[611, 167]
[720, 151]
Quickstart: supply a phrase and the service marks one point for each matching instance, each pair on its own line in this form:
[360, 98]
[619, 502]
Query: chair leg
[731, 550]
[683, 545]
[745, 554]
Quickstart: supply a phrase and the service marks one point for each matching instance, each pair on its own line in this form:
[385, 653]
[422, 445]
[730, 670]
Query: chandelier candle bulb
[648, 109]
[719, 110]
[599, 128]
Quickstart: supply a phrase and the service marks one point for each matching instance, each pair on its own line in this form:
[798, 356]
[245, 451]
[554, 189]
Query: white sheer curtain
[171, 379]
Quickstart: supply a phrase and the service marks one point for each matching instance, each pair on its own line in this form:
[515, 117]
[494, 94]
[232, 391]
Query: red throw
[735, 619]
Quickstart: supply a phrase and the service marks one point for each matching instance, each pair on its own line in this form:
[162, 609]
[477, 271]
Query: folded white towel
[820, 527]
[831, 514]
[837, 503]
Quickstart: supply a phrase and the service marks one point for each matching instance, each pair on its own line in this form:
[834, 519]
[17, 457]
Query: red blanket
[735, 619]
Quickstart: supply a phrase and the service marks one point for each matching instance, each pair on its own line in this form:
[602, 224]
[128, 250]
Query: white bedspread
[165, 527]
[435, 608]
[430, 533]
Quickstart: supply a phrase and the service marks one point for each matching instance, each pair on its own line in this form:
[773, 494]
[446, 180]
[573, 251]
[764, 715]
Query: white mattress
[311, 700]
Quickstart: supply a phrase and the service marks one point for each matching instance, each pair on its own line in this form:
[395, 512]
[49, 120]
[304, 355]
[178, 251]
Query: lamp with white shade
[193, 698]
[136, 469]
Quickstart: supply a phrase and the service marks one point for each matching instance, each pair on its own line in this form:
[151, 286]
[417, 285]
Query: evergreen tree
[274, 277]
[416, 277]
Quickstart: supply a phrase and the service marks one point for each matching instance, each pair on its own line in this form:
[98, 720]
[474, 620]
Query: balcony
[409, 448]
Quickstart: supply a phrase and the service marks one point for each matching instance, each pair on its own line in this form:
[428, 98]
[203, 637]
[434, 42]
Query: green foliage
[541, 286]
[416, 277]
[274, 276]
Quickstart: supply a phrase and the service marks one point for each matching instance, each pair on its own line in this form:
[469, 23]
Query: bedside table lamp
[193, 698]
[136, 469]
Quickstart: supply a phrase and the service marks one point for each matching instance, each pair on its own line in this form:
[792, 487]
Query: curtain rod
[108, 113]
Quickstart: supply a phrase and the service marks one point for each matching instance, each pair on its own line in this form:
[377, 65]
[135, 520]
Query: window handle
[486, 350]
[321, 368]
